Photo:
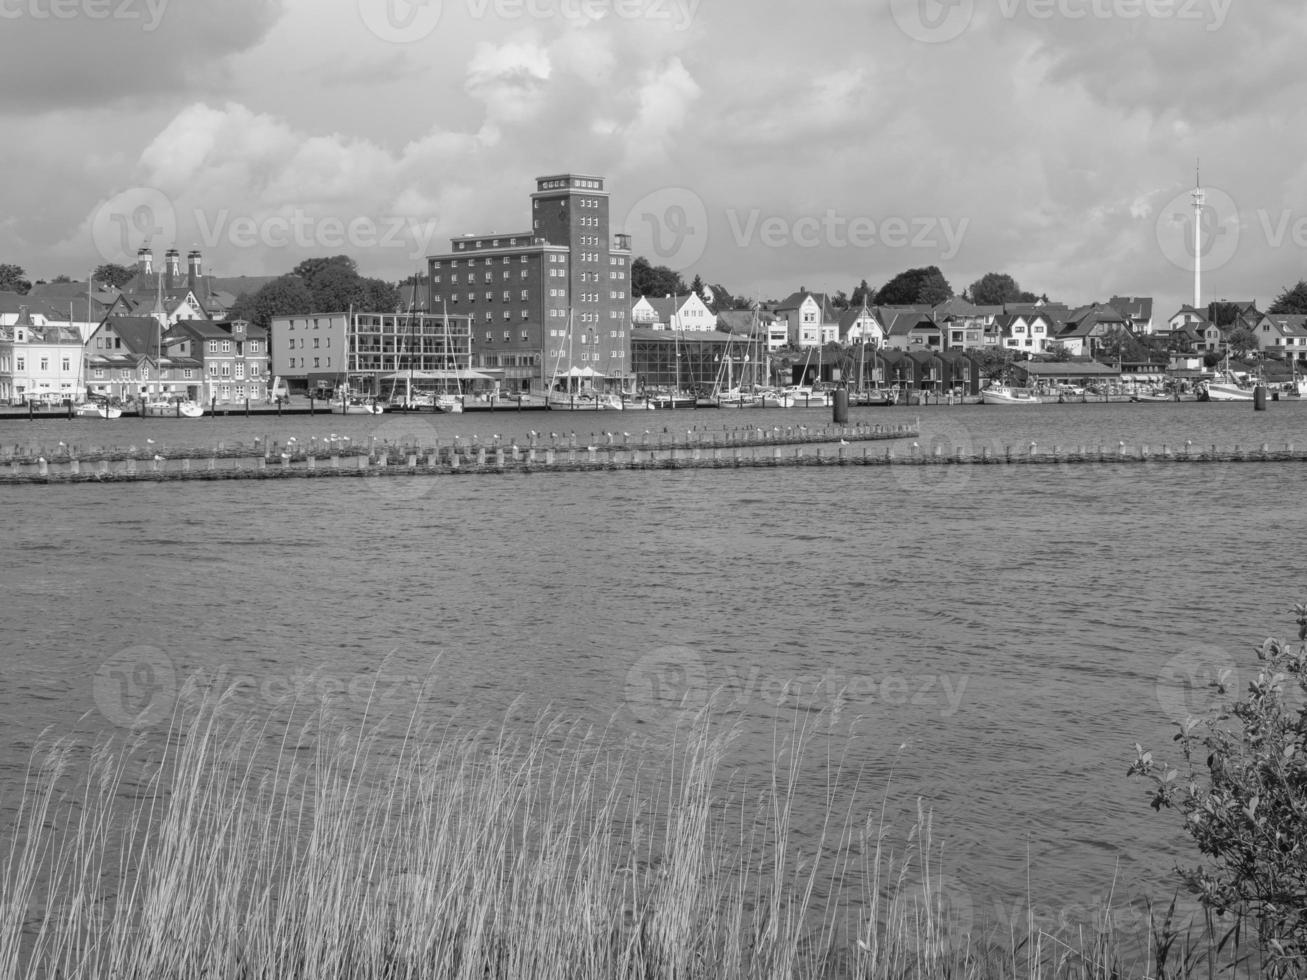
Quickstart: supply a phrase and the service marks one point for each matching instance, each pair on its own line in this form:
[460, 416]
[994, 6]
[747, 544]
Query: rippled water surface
[1000, 636]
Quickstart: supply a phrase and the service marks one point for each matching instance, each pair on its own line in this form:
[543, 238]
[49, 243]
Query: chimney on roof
[145, 261]
[193, 264]
[172, 262]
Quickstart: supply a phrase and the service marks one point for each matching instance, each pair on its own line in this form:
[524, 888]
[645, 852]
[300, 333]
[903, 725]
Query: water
[995, 638]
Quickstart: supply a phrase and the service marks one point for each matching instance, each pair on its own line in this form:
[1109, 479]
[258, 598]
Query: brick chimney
[172, 262]
[145, 261]
[193, 266]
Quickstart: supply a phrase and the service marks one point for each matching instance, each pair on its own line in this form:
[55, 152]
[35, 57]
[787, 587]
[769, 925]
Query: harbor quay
[725, 448]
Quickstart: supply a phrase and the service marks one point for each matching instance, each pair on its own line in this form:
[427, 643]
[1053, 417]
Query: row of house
[808, 320]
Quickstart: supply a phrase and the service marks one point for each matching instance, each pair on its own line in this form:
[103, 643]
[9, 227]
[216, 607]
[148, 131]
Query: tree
[13, 279]
[1057, 351]
[696, 287]
[925, 286]
[1241, 340]
[862, 294]
[996, 289]
[1244, 802]
[284, 296]
[113, 274]
[310, 268]
[647, 280]
[1292, 300]
[840, 300]
[1223, 314]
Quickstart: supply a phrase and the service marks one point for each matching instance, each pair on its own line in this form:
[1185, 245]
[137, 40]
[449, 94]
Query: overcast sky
[764, 145]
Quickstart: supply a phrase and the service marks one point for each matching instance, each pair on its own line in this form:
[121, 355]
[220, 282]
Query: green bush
[1244, 802]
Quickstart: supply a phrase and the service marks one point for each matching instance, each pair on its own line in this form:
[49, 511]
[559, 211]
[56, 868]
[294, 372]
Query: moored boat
[1007, 395]
[173, 408]
[97, 410]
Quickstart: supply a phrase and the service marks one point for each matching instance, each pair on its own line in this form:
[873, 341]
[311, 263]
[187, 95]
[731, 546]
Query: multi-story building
[129, 357]
[40, 364]
[544, 301]
[315, 353]
[233, 356]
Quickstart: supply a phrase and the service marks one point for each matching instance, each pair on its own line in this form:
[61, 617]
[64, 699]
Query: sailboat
[449, 402]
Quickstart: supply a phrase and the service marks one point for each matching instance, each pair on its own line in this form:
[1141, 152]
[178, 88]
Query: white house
[810, 318]
[41, 363]
[687, 312]
[861, 326]
[1027, 332]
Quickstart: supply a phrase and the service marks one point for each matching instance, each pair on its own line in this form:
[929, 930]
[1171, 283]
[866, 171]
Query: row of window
[612, 334]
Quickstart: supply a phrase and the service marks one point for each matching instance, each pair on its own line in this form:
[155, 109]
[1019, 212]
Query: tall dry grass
[313, 846]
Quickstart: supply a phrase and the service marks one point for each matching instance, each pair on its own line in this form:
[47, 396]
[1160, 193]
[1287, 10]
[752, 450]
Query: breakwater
[730, 447]
[266, 458]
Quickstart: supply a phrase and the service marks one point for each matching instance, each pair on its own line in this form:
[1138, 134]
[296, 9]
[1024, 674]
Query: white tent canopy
[463, 374]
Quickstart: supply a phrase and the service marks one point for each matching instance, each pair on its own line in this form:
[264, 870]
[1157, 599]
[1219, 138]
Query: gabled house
[232, 357]
[1284, 333]
[1026, 332]
[907, 328]
[812, 319]
[1087, 327]
[1138, 311]
[686, 312]
[861, 326]
[129, 357]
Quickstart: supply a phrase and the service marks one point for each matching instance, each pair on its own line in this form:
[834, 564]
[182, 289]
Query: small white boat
[355, 406]
[97, 410]
[175, 408]
[1007, 395]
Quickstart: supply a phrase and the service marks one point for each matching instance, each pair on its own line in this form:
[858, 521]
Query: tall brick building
[544, 301]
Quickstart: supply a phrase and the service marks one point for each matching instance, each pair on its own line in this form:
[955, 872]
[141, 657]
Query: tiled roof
[139, 333]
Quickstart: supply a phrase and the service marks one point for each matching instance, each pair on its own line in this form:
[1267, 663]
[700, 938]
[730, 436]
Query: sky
[762, 145]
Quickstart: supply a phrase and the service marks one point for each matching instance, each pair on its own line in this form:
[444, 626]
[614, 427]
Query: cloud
[99, 52]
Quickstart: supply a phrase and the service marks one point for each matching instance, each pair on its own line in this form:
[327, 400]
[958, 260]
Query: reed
[303, 844]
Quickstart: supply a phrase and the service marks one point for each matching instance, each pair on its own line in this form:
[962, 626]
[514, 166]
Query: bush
[1244, 802]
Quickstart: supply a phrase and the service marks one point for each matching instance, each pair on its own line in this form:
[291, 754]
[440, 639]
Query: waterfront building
[128, 357]
[546, 300]
[690, 360]
[233, 360]
[315, 353]
[39, 363]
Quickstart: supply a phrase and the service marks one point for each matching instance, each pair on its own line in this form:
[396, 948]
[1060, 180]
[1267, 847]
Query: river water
[992, 639]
